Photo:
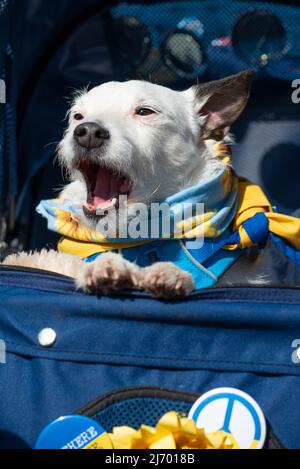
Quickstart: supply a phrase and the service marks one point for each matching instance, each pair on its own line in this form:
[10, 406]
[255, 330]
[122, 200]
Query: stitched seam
[264, 297]
[74, 352]
[220, 296]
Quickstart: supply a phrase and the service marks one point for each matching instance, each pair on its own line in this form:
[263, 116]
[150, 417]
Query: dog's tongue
[108, 187]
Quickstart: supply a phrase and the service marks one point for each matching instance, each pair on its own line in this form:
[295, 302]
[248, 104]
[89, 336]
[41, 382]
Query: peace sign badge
[234, 412]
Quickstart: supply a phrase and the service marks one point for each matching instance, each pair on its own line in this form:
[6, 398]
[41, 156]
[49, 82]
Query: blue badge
[234, 412]
[73, 432]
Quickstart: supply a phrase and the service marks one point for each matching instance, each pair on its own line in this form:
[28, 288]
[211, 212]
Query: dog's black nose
[90, 135]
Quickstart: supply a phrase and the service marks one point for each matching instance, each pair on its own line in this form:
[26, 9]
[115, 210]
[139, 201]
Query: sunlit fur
[162, 153]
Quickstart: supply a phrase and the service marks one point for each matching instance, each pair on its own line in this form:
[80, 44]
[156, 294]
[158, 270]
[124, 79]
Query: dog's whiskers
[145, 196]
[50, 143]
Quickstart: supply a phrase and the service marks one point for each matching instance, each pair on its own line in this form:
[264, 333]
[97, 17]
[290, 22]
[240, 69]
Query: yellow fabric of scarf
[229, 201]
[252, 200]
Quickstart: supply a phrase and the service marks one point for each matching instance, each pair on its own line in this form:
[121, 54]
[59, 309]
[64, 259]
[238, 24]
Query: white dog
[148, 142]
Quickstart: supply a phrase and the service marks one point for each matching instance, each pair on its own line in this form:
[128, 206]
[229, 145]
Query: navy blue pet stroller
[129, 359]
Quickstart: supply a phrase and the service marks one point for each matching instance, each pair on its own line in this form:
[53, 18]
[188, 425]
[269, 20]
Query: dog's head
[145, 140]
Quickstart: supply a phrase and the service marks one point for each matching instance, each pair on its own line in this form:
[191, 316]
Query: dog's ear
[219, 103]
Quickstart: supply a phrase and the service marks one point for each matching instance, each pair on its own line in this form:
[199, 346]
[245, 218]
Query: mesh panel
[179, 42]
[3, 18]
[138, 411]
[5, 10]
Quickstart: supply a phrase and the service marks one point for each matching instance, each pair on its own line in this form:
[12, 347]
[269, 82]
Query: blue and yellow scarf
[237, 215]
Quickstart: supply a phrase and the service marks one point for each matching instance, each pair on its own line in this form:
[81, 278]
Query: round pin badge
[74, 432]
[234, 412]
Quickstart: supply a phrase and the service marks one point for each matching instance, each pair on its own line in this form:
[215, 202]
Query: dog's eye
[144, 111]
[78, 116]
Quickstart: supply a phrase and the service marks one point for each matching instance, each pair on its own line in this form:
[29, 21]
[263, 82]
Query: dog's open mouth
[104, 187]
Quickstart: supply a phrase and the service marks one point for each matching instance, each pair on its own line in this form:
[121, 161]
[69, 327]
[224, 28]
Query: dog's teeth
[114, 201]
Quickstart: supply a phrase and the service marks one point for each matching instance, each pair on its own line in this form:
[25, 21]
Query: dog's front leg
[110, 272]
[166, 280]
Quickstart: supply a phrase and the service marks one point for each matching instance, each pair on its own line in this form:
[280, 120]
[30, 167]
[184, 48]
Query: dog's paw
[109, 272]
[166, 280]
